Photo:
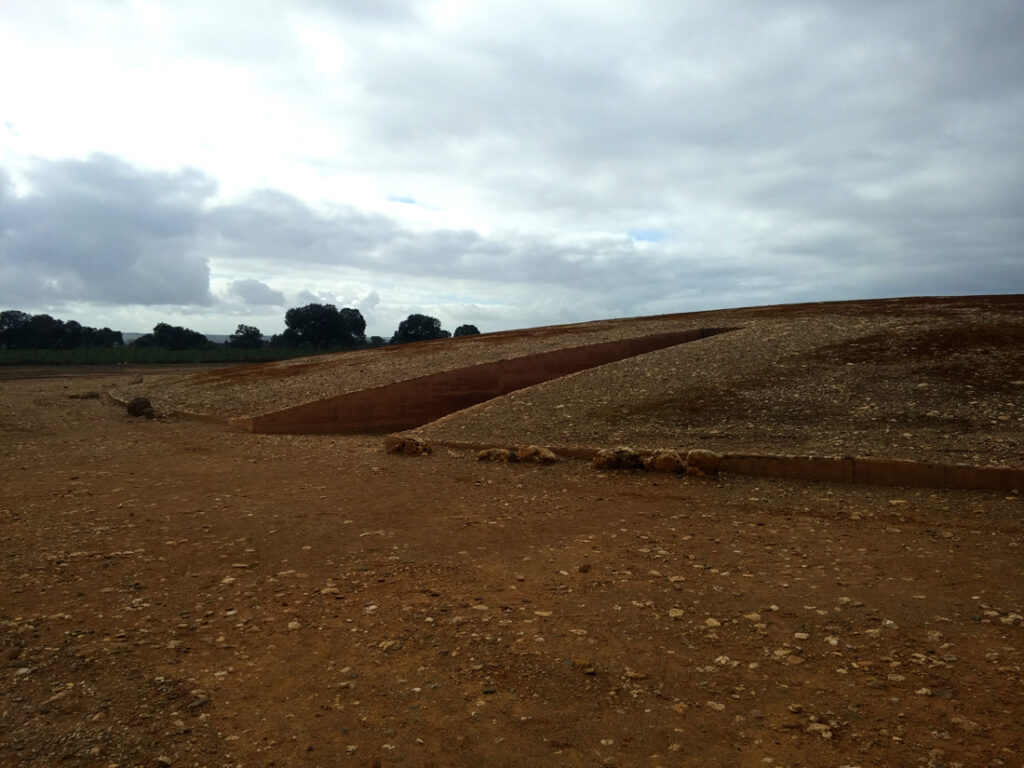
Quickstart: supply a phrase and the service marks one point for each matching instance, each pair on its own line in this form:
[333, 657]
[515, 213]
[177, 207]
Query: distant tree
[419, 328]
[19, 330]
[355, 328]
[14, 329]
[45, 332]
[376, 341]
[466, 330]
[175, 337]
[322, 326]
[103, 338]
[246, 337]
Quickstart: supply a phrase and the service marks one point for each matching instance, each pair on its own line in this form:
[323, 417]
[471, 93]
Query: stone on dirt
[622, 457]
[140, 406]
[665, 460]
[537, 454]
[407, 445]
[701, 462]
[497, 454]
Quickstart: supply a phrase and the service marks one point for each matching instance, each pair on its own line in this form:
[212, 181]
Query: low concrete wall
[871, 471]
[846, 469]
[412, 403]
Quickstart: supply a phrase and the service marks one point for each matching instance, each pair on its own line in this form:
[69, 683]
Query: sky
[506, 164]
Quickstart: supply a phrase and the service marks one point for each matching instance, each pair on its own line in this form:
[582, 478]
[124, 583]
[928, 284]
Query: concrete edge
[854, 470]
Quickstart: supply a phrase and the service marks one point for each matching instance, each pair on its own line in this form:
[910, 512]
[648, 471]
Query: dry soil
[178, 593]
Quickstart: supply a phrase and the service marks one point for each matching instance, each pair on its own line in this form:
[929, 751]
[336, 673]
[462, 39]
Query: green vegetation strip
[144, 355]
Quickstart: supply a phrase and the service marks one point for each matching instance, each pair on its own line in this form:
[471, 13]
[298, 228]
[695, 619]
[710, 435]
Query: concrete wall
[870, 471]
[412, 403]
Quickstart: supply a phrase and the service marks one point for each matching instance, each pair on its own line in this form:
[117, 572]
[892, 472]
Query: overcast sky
[506, 164]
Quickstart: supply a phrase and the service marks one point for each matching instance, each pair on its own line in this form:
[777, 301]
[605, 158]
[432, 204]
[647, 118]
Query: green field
[143, 355]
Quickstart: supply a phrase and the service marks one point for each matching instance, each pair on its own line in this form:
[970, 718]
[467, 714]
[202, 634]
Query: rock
[536, 454]
[407, 445]
[700, 462]
[622, 457]
[84, 396]
[140, 406]
[665, 460]
[497, 454]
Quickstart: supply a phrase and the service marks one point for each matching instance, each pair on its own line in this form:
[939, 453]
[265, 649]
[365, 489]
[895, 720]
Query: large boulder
[140, 406]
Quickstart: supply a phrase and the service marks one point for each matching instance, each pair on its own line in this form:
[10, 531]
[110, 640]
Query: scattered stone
[407, 445]
[676, 613]
[140, 406]
[820, 729]
[700, 462]
[84, 396]
[537, 454]
[963, 724]
[622, 457]
[497, 454]
[665, 460]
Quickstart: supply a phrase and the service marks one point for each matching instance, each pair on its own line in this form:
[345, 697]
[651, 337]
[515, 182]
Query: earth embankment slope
[935, 379]
[923, 379]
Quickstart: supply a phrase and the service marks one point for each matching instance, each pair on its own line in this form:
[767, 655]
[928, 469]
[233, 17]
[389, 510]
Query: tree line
[316, 327]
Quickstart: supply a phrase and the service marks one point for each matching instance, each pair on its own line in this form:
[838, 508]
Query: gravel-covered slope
[938, 380]
[268, 387]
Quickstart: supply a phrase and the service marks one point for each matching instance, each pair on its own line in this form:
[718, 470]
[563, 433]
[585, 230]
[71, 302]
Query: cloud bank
[506, 165]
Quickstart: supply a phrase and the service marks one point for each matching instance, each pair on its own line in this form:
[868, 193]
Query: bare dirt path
[177, 593]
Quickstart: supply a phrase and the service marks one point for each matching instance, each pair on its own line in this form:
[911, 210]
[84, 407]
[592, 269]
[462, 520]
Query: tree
[175, 337]
[419, 328]
[376, 341]
[19, 330]
[246, 337]
[466, 330]
[322, 326]
[13, 329]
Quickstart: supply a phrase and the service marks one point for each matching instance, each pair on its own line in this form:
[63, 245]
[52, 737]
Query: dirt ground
[178, 593]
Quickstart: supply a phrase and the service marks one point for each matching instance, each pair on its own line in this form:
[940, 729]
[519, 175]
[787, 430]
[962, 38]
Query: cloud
[255, 292]
[102, 230]
[540, 164]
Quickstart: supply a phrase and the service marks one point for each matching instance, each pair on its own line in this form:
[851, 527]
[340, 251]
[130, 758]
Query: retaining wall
[412, 403]
[871, 471]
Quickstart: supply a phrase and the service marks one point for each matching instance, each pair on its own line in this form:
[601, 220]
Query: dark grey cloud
[102, 230]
